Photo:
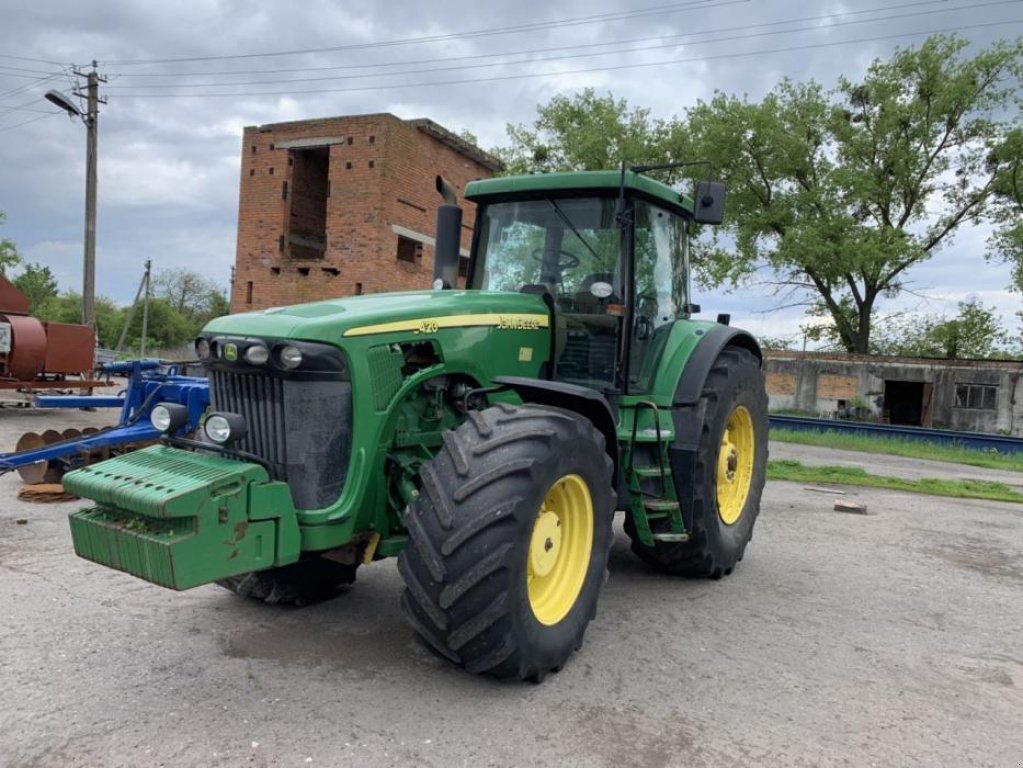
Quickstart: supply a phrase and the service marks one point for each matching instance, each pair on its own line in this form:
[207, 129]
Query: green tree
[1007, 240]
[976, 332]
[38, 283]
[839, 194]
[193, 296]
[585, 132]
[9, 256]
[167, 327]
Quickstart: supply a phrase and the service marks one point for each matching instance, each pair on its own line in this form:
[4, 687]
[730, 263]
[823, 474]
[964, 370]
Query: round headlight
[291, 357]
[257, 354]
[218, 429]
[202, 348]
[160, 418]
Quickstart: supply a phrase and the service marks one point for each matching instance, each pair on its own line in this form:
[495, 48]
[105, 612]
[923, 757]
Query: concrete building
[970, 395]
[344, 206]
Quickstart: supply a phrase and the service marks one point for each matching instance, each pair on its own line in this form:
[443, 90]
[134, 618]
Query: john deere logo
[230, 353]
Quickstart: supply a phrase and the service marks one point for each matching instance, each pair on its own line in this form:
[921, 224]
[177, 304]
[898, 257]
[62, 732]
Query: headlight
[291, 357]
[202, 348]
[257, 354]
[168, 417]
[224, 428]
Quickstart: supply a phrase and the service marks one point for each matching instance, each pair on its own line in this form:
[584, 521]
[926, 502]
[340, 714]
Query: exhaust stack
[449, 238]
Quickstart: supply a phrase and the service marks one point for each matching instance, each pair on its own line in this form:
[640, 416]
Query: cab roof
[602, 182]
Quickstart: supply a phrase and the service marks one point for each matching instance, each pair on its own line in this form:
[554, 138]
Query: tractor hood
[331, 321]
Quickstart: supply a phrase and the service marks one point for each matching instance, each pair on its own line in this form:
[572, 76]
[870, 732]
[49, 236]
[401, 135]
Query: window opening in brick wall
[409, 250]
[348, 166]
[284, 191]
[350, 140]
[307, 218]
[332, 271]
[271, 171]
[372, 139]
[977, 396]
[253, 149]
[304, 271]
[358, 289]
[252, 171]
[248, 292]
[372, 164]
[275, 271]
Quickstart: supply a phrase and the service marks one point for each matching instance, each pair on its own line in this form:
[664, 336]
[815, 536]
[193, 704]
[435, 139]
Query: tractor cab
[610, 252]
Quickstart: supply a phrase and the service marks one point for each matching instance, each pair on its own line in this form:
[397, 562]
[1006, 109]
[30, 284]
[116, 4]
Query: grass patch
[897, 446]
[795, 472]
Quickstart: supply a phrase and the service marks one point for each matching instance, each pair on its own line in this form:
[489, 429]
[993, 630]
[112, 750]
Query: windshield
[566, 245]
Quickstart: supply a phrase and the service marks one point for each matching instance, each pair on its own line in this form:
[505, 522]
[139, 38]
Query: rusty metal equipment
[38, 355]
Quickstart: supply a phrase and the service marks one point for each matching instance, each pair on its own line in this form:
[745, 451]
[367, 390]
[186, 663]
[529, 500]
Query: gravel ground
[894, 638]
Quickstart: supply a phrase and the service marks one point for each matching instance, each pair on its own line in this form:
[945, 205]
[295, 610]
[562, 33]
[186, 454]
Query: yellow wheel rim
[559, 549]
[735, 465]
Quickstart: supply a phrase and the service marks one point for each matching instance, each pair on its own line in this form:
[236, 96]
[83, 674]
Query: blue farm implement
[43, 458]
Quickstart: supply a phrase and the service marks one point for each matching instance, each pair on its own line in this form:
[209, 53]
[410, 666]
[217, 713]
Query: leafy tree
[838, 195]
[777, 343]
[38, 283]
[975, 333]
[9, 256]
[1007, 241]
[585, 132]
[167, 327]
[190, 294]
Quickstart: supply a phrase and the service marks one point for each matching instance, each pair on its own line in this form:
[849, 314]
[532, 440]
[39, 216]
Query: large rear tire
[730, 473]
[308, 581]
[508, 541]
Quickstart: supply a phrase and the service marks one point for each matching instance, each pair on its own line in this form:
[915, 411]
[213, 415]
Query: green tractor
[484, 437]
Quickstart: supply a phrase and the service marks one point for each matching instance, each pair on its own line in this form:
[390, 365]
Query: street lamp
[91, 118]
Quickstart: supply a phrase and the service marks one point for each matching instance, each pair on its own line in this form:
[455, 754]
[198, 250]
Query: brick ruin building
[344, 206]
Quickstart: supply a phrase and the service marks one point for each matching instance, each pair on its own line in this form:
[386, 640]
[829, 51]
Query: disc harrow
[45, 457]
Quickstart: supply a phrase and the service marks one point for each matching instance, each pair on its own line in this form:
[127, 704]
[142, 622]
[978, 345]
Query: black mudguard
[688, 410]
[586, 402]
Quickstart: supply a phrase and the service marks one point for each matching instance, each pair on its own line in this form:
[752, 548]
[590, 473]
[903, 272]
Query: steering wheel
[570, 259]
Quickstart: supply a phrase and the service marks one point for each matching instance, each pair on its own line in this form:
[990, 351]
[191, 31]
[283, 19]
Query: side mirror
[709, 202]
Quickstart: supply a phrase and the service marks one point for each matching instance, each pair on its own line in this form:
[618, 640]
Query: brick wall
[381, 173]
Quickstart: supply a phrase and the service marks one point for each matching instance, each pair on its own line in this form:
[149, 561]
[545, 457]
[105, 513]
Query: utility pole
[91, 119]
[145, 312]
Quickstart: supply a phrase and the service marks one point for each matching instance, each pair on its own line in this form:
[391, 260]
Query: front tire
[508, 541]
[730, 473]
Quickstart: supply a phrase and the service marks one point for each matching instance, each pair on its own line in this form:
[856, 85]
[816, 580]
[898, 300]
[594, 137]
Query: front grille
[301, 427]
[260, 399]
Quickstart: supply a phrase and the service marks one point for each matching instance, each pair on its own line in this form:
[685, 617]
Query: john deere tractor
[484, 437]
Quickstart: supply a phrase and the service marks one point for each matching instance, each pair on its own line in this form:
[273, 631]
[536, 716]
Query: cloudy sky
[184, 78]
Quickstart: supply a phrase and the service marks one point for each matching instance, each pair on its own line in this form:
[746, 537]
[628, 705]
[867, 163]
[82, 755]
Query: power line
[23, 108]
[732, 38]
[618, 67]
[26, 122]
[28, 86]
[10, 69]
[576, 21]
[433, 60]
[29, 58]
